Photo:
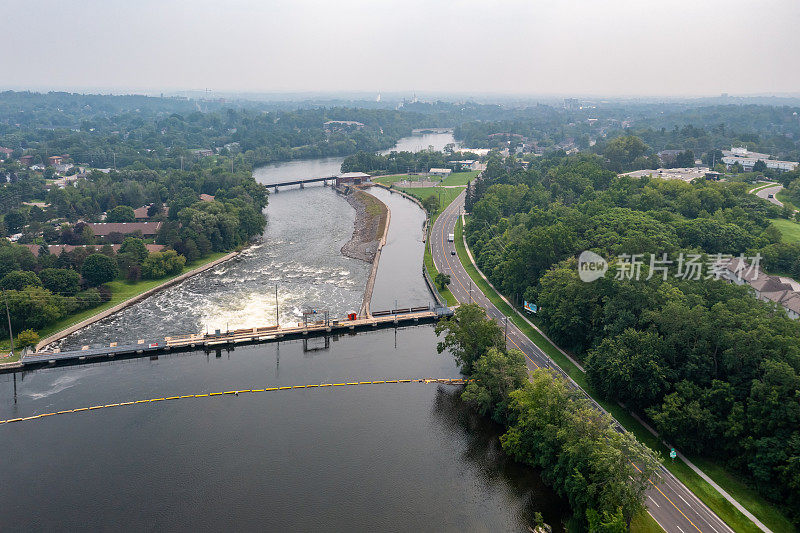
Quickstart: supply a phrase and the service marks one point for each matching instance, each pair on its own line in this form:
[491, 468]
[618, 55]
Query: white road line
[652, 500]
[684, 501]
[679, 528]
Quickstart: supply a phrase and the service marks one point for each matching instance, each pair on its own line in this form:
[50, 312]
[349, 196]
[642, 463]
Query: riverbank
[369, 226]
[122, 299]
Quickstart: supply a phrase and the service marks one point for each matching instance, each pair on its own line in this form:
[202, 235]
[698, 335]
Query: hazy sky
[598, 47]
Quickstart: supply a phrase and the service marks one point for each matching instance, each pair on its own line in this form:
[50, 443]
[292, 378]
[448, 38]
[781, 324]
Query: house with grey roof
[781, 290]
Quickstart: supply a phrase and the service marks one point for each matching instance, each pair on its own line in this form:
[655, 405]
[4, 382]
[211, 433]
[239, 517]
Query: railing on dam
[352, 324]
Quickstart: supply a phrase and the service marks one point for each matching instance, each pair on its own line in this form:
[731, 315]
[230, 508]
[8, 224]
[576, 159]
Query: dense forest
[716, 371]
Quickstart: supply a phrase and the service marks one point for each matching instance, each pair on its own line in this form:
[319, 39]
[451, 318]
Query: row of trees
[42, 290]
[395, 162]
[550, 425]
[714, 370]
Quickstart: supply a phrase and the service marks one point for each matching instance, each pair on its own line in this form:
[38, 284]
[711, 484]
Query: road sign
[673, 454]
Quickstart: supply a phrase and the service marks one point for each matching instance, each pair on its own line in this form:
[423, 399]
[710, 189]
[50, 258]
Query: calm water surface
[400, 457]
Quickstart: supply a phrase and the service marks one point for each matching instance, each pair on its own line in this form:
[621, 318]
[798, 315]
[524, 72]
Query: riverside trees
[715, 370]
[549, 424]
[45, 288]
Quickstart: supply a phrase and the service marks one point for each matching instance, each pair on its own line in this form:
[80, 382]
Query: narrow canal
[379, 457]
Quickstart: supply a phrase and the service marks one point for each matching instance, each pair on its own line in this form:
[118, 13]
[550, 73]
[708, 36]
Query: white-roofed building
[748, 160]
[443, 172]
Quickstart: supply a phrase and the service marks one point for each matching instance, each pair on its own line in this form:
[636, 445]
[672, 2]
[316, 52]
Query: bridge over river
[301, 182]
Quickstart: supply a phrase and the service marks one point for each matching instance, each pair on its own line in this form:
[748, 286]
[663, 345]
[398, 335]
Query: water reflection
[378, 457]
[485, 457]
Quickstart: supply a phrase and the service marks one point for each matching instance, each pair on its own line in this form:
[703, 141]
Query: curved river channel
[399, 457]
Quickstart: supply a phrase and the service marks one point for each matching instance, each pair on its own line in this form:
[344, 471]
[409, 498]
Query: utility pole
[8, 316]
[470, 290]
[277, 312]
[506, 333]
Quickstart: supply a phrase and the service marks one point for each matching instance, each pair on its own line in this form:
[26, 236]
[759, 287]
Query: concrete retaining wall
[127, 303]
[365, 304]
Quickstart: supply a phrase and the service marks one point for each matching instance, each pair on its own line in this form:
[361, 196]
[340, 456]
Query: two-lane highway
[672, 505]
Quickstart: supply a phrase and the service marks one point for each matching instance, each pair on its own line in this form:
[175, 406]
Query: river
[388, 457]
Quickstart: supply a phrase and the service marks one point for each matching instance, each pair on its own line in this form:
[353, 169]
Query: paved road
[672, 505]
[764, 193]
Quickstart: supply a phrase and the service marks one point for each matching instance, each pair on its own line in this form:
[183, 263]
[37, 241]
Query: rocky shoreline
[363, 245]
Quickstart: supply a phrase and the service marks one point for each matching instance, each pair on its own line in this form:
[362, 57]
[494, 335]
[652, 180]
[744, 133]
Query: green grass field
[120, 291]
[393, 178]
[460, 178]
[715, 501]
[790, 230]
[446, 196]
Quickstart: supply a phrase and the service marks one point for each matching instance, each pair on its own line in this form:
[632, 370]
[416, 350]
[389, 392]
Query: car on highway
[770, 196]
[452, 252]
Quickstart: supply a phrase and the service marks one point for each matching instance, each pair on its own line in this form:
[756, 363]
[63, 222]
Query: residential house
[56, 249]
[104, 229]
[778, 289]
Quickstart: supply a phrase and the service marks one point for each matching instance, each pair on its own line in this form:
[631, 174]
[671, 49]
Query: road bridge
[301, 182]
